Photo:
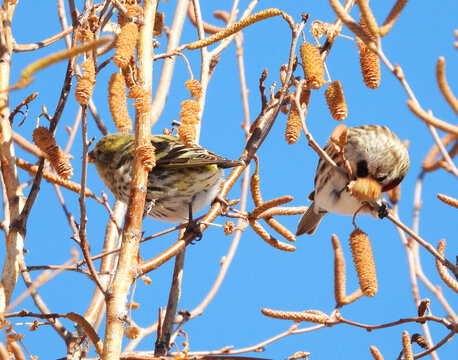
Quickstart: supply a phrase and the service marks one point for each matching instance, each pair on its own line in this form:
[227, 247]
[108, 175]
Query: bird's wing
[171, 152]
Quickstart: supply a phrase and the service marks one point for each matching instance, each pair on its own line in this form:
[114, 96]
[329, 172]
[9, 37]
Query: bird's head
[108, 150]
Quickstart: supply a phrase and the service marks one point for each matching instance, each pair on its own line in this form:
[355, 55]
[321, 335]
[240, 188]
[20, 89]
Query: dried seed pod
[336, 101]
[132, 332]
[190, 112]
[147, 156]
[370, 66]
[194, 87]
[44, 139]
[293, 125]
[187, 134]
[86, 82]
[142, 99]
[117, 101]
[339, 135]
[365, 189]
[364, 262]
[313, 65]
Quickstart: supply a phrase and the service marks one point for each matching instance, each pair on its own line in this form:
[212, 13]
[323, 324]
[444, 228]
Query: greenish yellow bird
[183, 182]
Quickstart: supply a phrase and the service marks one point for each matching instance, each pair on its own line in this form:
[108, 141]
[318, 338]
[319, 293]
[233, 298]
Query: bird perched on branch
[183, 182]
[374, 154]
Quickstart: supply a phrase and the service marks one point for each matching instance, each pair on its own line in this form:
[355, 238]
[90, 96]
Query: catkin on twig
[44, 139]
[314, 316]
[420, 340]
[443, 272]
[117, 101]
[365, 189]
[187, 133]
[194, 87]
[364, 262]
[448, 200]
[293, 125]
[258, 229]
[190, 112]
[125, 45]
[86, 82]
[376, 353]
[88, 329]
[336, 101]
[142, 99]
[406, 346]
[313, 65]
[147, 156]
[127, 38]
[370, 66]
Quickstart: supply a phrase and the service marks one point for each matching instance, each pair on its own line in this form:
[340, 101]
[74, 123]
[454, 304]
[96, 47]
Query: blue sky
[261, 276]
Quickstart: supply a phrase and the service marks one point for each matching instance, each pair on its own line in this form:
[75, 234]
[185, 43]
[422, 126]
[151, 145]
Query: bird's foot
[193, 227]
[383, 211]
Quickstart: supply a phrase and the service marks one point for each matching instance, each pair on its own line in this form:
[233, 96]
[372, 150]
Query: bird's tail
[309, 221]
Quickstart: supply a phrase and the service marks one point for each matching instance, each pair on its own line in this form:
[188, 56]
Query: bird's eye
[381, 179]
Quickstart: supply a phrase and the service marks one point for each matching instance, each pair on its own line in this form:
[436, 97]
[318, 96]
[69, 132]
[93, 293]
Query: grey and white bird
[373, 152]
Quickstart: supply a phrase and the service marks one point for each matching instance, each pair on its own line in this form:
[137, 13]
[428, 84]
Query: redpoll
[373, 152]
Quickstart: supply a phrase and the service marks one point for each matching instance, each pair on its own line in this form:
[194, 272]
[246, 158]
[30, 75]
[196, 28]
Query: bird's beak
[90, 157]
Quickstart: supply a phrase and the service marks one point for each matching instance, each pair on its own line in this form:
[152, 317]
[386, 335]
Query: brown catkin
[194, 87]
[86, 82]
[142, 99]
[129, 73]
[293, 125]
[147, 156]
[406, 346]
[420, 340]
[313, 65]
[443, 272]
[117, 101]
[127, 38]
[376, 354]
[365, 189]
[44, 139]
[88, 329]
[364, 262]
[85, 35]
[158, 24]
[187, 134]
[190, 112]
[336, 101]
[370, 66]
